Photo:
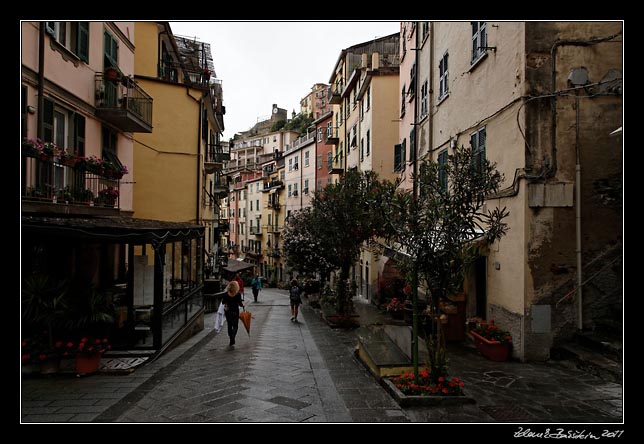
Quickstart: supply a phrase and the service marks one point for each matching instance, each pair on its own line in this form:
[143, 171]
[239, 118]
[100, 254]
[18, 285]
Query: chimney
[375, 60]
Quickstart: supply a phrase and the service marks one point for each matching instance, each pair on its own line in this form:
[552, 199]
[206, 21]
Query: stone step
[381, 355]
[588, 360]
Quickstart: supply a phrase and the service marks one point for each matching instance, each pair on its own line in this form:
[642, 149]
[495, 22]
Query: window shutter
[412, 145]
[397, 154]
[79, 134]
[48, 121]
[83, 41]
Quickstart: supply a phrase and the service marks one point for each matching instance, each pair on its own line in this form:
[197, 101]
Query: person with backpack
[256, 285]
[296, 300]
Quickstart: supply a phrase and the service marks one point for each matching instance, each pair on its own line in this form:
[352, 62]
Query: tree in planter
[435, 230]
[343, 216]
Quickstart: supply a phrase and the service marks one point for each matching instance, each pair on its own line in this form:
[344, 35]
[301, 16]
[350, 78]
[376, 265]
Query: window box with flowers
[49, 151]
[31, 147]
[492, 342]
[113, 170]
[67, 158]
[94, 165]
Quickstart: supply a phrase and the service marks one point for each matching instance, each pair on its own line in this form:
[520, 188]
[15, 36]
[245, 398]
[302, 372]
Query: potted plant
[113, 74]
[31, 147]
[88, 351]
[491, 341]
[67, 158]
[107, 196]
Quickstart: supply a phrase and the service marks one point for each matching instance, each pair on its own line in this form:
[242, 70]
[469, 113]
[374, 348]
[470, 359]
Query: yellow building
[180, 161]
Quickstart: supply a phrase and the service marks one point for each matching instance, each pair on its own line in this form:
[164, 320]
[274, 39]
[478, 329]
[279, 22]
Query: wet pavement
[307, 372]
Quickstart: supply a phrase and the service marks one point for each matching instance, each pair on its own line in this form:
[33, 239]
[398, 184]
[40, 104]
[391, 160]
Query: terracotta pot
[87, 364]
[493, 350]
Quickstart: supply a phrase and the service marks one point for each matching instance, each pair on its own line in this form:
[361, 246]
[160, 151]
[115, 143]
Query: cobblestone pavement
[307, 372]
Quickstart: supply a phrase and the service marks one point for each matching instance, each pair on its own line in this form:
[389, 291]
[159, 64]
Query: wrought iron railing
[123, 93]
[47, 181]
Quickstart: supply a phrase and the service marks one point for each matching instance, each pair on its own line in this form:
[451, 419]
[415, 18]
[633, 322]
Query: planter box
[435, 400]
[493, 350]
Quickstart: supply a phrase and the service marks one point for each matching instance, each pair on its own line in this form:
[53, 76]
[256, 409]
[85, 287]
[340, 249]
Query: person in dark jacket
[295, 298]
[256, 285]
[232, 301]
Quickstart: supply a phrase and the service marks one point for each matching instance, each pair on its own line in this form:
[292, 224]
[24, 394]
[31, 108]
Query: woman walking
[232, 301]
[296, 300]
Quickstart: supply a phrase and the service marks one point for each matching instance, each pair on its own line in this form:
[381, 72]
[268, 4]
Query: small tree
[303, 245]
[436, 230]
[341, 218]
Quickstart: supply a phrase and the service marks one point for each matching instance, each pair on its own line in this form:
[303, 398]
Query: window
[306, 186]
[329, 160]
[424, 30]
[354, 137]
[328, 180]
[399, 155]
[404, 41]
[257, 188]
[48, 121]
[295, 165]
[275, 138]
[442, 169]
[306, 158]
[110, 139]
[245, 194]
[348, 105]
[295, 189]
[362, 149]
[319, 184]
[368, 141]
[72, 35]
[412, 81]
[320, 134]
[282, 175]
[477, 141]
[423, 99]
[479, 40]
[368, 97]
[412, 145]
[290, 192]
[269, 220]
[290, 164]
[257, 204]
[320, 162]
[361, 109]
[444, 76]
[251, 205]
[23, 126]
[110, 51]
[402, 101]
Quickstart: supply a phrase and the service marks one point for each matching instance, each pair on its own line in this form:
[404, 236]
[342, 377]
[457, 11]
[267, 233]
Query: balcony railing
[272, 184]
[123, 103]
[331, 136]
[274, 205]
[214, 158]
[257, 231]
[48, 182]
[221, 185]
[193, 76]
[335, 93]
[274, 229]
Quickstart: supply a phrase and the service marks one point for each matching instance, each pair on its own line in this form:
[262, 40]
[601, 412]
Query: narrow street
[306, 372]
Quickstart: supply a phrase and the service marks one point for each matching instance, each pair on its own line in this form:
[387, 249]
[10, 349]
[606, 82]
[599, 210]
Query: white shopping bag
[220, 318]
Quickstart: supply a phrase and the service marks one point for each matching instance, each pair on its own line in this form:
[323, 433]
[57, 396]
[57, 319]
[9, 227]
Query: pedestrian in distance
[232, 301]
[256, 285]
[296, 299]
[240, 282]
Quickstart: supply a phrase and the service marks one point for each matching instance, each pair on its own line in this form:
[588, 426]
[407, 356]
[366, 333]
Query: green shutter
[397, 155]
[83, 41]
[48, 121]
[79, 134]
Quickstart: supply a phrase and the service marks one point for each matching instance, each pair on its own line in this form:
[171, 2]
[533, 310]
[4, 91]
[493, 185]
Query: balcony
[192, 76]
[256, 231]
[214, 158]
[331, 136]
[123, 103]
[274, 206]
[273, 229]
[48, 186]
[220, 185]
[335, 94]
[273, 184]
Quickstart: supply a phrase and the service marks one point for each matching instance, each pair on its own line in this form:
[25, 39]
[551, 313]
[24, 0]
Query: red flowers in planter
[87, 346]
[426, 386]
[491, 332]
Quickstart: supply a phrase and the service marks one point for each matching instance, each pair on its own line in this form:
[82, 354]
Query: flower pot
[68, 161]
[50, 366]
[493, 350]
[87, 363]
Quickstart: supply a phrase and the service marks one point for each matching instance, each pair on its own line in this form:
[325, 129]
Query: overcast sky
[261, 63]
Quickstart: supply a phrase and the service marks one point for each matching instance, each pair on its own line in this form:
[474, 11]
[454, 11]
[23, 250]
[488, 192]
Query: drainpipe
[198, 160]
[414, 276]
[578, 214]
[41, 80]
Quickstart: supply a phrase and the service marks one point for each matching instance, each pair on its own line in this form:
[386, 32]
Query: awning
[234, 266]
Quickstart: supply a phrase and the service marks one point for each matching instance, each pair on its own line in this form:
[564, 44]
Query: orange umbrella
[245, 318]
